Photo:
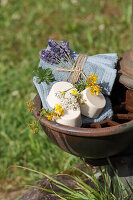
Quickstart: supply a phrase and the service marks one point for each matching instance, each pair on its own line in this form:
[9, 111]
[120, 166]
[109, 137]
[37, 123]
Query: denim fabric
[102, 65]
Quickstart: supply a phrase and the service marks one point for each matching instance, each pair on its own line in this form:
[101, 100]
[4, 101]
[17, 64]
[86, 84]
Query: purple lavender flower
[58, 53]
[52, 43]
[65, 46]
[62, 48]
[48, 56]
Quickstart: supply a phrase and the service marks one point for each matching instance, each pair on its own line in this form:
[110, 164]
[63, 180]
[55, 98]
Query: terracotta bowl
[96, 140]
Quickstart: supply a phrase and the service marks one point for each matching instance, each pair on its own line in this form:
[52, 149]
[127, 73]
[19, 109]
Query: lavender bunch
[58, 53]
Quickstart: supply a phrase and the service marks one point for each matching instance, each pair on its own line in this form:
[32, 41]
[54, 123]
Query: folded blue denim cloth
[102, 65]
[44, 89]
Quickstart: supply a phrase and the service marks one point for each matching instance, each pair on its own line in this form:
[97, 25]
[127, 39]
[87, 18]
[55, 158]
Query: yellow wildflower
[92, 79]
[55, 114]
[30, 103]
[63, 92]
[92, 91]
[87, 86]
[58, 109]
[74, 92]
[32, 124]
[30, 106]
[35, 130]
[49, 116]
[30, 109]
[95, 89]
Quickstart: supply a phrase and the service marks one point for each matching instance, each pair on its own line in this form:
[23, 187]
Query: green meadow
[91, 27]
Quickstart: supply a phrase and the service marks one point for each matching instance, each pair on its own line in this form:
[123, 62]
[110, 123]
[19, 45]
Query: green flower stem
[60, 61]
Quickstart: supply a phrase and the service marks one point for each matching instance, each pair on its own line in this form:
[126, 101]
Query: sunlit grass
[85, 185]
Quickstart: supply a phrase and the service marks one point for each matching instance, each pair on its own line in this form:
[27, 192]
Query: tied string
[77, 68]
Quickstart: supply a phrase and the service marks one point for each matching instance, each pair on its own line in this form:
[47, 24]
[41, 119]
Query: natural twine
[77, 68]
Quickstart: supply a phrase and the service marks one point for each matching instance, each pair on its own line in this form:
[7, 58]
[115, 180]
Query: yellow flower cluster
[92, 79]
[34, 127]
[59, 110]
[49, 116]
[94, 89]
[74, 92]
[55, 113]
[30, 106]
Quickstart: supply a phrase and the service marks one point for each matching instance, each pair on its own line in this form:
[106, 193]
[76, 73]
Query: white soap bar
[70, 117]
[59, 86]
[93, 105]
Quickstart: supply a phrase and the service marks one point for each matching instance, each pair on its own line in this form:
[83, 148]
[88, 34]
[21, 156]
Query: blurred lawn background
[91, 27]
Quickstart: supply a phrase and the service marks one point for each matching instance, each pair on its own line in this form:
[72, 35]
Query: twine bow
[77, 68]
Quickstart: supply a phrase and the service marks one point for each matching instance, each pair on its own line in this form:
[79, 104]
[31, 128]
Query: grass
[83, 185]
[90, 26]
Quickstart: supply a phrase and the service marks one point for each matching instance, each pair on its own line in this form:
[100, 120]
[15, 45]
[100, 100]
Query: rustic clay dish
[96, 140]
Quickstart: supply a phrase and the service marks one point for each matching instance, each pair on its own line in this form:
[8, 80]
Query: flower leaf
[44, 75]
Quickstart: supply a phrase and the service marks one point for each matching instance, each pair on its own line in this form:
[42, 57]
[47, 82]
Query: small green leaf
[44, 75]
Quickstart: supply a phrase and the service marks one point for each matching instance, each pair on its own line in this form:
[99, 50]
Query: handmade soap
[93, 105]
[58, 87]
[71, 117]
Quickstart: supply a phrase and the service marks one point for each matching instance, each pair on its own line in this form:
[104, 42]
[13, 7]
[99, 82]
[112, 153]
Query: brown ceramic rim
[126, 65]
[82, 132]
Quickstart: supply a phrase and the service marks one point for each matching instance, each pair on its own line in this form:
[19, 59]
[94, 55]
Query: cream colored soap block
[70, 117]
[59, 86]
[93, 105]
